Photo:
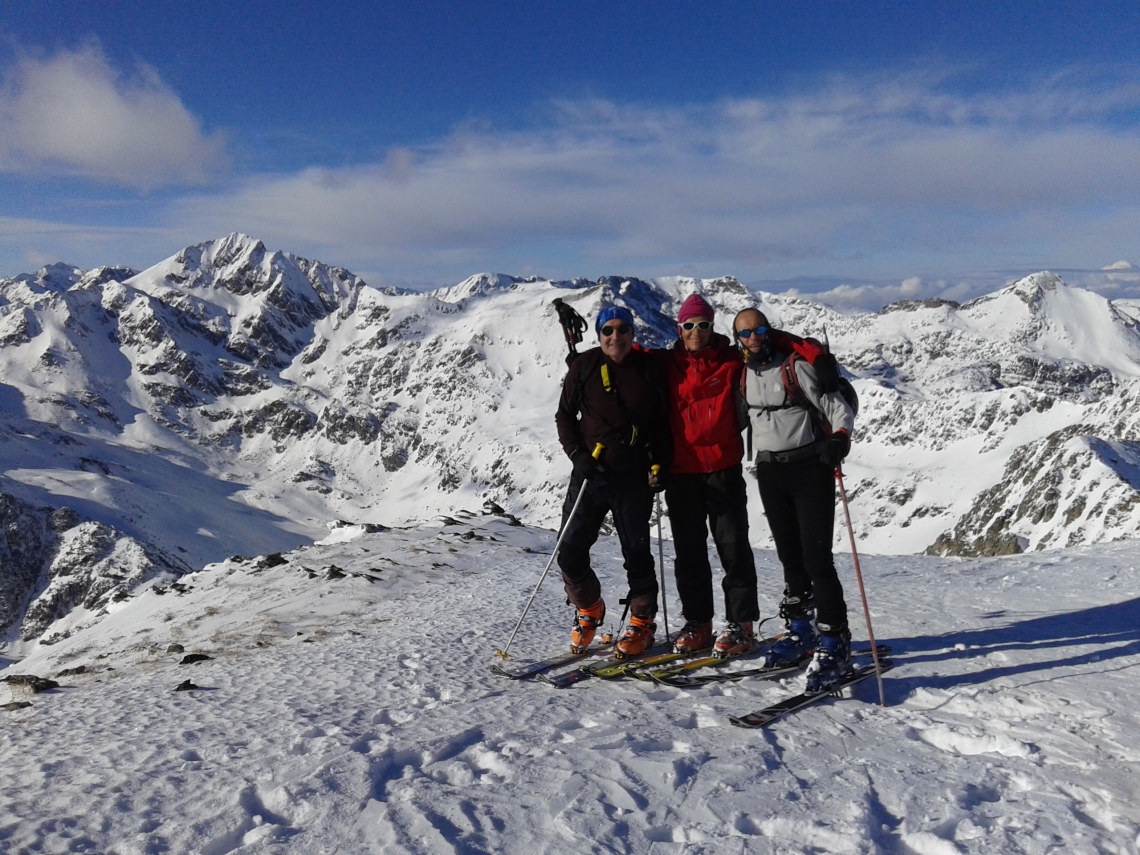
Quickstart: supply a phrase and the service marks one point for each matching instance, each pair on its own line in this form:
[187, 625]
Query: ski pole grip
[598, 449]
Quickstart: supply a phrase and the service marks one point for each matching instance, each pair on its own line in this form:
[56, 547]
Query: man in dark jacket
[613, 396]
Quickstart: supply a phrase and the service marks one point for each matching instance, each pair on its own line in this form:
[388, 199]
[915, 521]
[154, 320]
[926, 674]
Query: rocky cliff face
[61, 570]
[235, 400]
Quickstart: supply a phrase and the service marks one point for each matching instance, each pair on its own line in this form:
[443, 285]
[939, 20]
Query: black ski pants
[799, 501]
[718, 501]
[628, 498]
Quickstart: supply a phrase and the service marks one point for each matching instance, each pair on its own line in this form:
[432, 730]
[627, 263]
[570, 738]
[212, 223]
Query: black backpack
[826, 370]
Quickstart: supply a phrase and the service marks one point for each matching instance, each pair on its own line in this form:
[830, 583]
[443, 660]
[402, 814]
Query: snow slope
[348, 707]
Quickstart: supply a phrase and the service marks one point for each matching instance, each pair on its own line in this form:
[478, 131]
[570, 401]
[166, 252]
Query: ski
[626, 667]
[531, 669]
[684, 680]
[660, 674]
[585, 672]
[767, 715]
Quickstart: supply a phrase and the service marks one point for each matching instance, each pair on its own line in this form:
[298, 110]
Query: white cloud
[866, 181]
[848, 294]
[72, 113]
[850, 178]
[1121, 271]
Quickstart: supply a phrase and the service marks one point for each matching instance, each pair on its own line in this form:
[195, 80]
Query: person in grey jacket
[799, 441]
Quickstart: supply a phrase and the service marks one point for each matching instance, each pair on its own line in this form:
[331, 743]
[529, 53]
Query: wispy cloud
[899, 185]
[27, 244]
[72, 113]
[867, 174]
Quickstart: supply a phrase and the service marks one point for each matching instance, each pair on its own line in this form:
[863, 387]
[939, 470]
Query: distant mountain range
[236, 400]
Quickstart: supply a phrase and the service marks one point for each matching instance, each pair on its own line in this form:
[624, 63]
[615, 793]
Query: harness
[795, 396]
[629, 433]
[790, 456]
[612, 390]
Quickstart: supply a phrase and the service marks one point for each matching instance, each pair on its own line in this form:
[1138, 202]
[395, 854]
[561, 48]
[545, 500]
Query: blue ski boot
[795, 645]
[832, 661]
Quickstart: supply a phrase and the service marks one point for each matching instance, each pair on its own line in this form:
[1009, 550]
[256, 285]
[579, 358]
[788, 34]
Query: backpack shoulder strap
[792, 388]
[598, 363]
[794, 395]
[589, 362]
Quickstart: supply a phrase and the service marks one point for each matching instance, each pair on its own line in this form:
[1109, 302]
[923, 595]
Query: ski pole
[661, 563]
[558, 545]
[862, 591]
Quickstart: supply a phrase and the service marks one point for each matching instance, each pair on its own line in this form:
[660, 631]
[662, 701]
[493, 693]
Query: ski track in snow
[357, 713]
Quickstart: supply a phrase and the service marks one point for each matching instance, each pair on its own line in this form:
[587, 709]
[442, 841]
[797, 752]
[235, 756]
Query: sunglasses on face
[696, 325]
[620, 329]
[752, 332]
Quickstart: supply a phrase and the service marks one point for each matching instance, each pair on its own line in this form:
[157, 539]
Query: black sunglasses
[696, 325]
[752, 332]
[620, 329]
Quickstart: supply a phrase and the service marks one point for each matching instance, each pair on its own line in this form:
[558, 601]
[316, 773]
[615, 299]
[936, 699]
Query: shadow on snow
[1097, 635]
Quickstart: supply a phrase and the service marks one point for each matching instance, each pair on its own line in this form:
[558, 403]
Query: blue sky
[866, 151]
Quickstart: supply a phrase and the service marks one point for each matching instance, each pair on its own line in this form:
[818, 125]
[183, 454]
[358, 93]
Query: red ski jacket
[702, 406]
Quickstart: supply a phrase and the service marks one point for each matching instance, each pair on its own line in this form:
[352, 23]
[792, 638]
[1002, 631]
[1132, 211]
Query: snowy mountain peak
[221, 257]
[479, 284]
[1032, 289]
[237, 270]
[237, 264]
[53, 278]
[233, 250]
[262, 304]
[1055, 320]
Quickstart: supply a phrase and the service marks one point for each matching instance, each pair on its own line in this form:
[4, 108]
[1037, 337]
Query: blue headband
[612, 313]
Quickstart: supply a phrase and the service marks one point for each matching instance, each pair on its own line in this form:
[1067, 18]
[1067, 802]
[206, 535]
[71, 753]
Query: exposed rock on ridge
[56, 565]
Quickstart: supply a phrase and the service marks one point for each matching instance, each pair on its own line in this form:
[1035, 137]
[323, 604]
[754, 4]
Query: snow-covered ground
[349, 707]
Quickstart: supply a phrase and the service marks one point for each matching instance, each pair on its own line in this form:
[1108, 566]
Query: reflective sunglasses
[620, 329]
[752, 332]
[696, 325]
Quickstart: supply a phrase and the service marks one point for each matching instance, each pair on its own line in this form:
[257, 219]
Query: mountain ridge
[260, 396]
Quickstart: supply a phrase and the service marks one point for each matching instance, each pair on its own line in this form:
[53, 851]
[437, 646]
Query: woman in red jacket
[705, 488]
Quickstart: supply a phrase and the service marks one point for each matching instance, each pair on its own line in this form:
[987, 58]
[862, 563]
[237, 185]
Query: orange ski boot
[638, 637]
[586, 623]
[736, 640]
[695, 636]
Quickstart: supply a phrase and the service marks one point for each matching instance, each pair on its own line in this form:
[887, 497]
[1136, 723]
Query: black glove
[658, 481]
[585, 466]
[835, 448]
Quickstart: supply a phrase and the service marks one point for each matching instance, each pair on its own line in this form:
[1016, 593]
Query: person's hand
[657, 479]
[835, 448]
[585, 466]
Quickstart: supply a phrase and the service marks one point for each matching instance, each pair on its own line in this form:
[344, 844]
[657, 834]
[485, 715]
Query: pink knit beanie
[695, 306]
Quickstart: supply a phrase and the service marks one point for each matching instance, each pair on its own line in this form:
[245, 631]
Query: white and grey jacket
[778, 427]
